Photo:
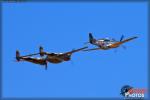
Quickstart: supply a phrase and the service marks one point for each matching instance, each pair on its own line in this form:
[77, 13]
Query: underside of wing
[121, 42]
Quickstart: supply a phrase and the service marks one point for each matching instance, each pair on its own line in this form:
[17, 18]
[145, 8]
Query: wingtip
[135, 37]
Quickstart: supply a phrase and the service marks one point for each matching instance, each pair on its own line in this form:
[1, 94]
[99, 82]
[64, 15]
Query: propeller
[46, 66]
[72, 62]
[116, 50]
[124, 47]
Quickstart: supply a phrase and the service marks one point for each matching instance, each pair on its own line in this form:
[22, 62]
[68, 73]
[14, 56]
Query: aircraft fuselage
[105, 44]
[57, 58]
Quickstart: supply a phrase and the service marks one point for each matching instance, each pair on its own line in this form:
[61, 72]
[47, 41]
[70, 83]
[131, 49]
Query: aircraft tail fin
[122, 37]
[17, 55]
[41, 50]
[91, 38]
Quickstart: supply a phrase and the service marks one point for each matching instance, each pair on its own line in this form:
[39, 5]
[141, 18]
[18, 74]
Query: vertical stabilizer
[17, 55]
[91, 39]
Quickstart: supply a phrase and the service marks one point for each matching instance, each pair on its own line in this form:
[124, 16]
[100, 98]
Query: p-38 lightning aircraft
[107, 43]
[50, 57]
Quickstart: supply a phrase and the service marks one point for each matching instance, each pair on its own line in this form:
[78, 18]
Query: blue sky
[63, 26]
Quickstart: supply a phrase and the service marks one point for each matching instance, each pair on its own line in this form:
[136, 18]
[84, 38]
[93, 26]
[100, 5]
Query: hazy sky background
[63, 26]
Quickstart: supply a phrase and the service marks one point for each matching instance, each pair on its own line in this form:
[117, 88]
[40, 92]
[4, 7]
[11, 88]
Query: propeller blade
[46, 66]
[124, 47]
[116, 50]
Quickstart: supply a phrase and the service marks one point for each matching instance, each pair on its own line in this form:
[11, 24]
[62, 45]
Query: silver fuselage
[105, 43]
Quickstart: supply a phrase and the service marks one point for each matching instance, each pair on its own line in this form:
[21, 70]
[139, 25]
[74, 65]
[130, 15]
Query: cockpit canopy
[107, 40]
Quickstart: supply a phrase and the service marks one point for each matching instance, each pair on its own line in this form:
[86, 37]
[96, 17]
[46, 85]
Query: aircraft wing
[92, 49]
[73, 51]
[121, 42]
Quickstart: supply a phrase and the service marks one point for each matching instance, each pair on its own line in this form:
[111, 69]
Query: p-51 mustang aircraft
[107, 43]
[50, 57]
